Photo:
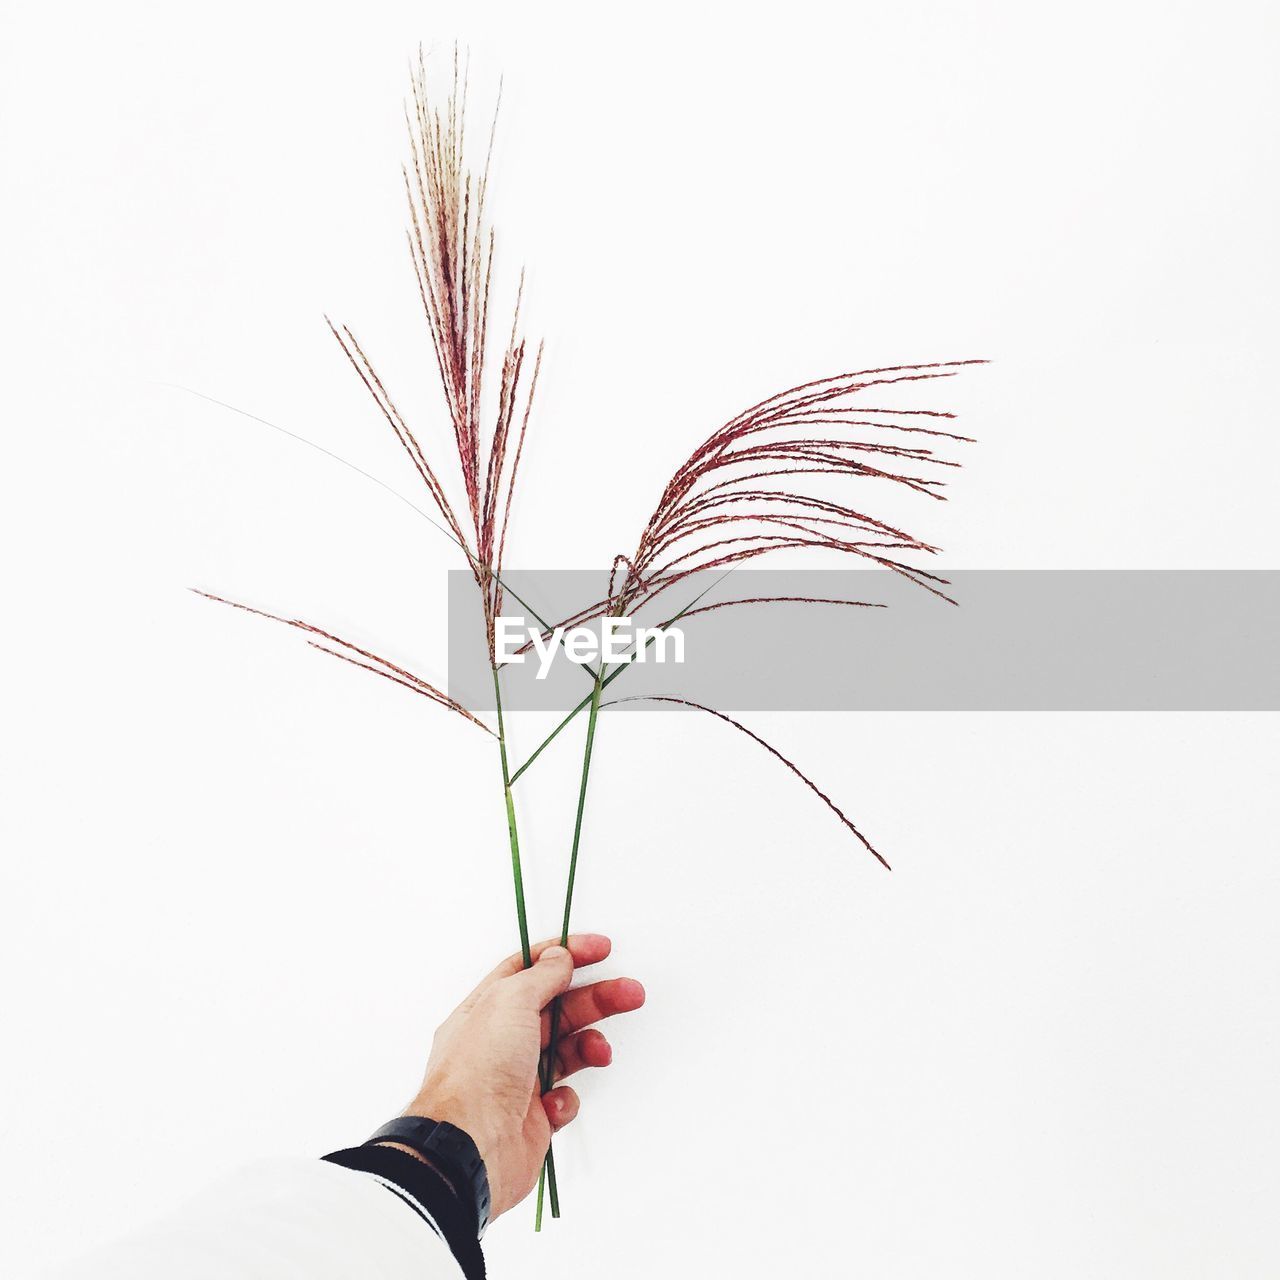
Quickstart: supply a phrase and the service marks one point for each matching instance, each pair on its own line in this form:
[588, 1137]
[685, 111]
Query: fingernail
[553, 953]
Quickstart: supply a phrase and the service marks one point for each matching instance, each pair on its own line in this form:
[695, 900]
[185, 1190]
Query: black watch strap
[453, 1154]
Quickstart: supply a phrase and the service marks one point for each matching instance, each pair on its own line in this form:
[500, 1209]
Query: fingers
[586, 1049]
[586, 948]
[561, 1105]
[550, 975]
[584, 1005]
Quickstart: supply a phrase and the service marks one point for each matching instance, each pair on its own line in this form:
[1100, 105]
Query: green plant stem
[548, 1164]
[592, 700]
[513, 834]
[518, 879]
[551, 737]
[601, 681]
[548, 1175]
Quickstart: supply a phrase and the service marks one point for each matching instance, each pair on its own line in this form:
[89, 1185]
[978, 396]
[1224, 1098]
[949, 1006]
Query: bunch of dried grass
[759, 485]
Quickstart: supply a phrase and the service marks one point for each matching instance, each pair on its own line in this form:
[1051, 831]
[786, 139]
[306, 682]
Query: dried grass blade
[772, 750]
[381, 666]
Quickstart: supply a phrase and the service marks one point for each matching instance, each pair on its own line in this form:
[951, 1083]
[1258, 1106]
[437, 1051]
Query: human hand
[482, 1075]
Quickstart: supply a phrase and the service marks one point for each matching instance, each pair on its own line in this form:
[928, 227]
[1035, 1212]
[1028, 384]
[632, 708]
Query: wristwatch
[452, 1153]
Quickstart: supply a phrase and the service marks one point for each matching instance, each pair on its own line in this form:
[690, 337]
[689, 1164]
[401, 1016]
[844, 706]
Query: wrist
[440, 1104]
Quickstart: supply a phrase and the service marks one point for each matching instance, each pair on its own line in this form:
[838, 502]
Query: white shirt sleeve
[286, 1220]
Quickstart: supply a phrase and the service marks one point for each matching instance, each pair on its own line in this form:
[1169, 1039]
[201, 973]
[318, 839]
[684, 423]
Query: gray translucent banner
[1016, 640]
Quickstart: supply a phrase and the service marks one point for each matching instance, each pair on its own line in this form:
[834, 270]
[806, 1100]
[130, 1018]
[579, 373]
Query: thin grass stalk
[548, 1163]
[548, 1174]
[518, 880]
[513, 833]
[521, 915]
[605, 680]
[552, 736]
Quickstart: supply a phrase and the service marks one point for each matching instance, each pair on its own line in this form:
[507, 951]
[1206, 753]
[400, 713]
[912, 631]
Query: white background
[242, 882]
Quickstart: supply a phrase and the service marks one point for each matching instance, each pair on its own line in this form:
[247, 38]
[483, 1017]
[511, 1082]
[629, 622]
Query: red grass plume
[451, 245]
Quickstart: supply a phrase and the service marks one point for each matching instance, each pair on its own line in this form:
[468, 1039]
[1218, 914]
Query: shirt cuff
[427, 1193]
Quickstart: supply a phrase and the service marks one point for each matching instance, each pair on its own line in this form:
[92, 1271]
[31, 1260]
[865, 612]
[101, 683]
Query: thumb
[548, 977]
